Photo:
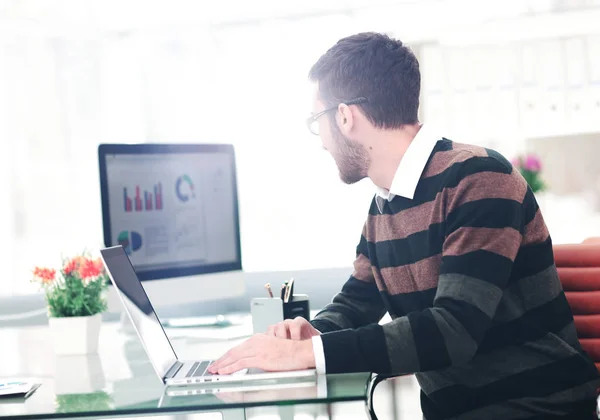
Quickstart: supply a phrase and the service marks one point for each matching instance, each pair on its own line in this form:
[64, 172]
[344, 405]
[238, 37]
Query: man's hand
[267, 353]
[295, 329]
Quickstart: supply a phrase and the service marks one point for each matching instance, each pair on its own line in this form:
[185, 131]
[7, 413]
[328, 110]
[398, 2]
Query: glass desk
[119, 381]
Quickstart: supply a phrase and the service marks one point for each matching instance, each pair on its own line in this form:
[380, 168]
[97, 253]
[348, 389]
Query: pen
[288, 290]
[291, 296]
[268, 287]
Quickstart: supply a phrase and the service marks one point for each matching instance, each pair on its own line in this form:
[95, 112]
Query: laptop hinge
[173, 370]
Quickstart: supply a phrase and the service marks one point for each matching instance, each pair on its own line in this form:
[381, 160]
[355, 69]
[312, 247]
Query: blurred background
[517, 76]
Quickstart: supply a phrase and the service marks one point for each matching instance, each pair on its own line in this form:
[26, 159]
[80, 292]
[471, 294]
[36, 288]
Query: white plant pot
[75, 335]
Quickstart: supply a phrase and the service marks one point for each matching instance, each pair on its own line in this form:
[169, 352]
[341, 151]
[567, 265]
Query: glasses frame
[313, 118]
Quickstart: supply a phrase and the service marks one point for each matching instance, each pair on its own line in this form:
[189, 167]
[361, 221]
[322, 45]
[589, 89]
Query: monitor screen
[173, 208]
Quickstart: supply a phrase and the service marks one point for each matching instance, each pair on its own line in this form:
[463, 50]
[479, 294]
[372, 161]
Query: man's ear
[345, 119]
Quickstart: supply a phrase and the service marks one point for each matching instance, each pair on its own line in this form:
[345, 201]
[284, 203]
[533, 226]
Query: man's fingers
[239, 352]
[235, 366]
[223, 361]
[215, 365]
[231, 352]
[223, 364]
[281, 330]
[296, 329]
[290, 329]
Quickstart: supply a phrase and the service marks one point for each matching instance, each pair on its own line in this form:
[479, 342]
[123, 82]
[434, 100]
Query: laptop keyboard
[198, 369]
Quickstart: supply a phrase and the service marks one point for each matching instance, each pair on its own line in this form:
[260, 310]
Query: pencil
[268, 287]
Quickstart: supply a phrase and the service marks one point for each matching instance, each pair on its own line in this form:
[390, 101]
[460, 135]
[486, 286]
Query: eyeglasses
[313, 124]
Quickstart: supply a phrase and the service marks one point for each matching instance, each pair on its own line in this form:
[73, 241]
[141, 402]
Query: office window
[241, 84]
[240, 76]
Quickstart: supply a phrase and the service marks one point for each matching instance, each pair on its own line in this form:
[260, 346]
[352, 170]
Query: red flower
[70, 266]
[99, 264]
[89, 269]
[45, 275]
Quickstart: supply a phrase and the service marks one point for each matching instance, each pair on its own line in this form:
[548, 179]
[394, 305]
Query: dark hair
[376, 67]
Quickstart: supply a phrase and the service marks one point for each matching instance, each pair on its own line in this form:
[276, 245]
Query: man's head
[365, 83]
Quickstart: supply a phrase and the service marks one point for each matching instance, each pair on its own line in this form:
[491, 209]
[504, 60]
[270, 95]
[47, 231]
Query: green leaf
[533, 180]
[74, 297]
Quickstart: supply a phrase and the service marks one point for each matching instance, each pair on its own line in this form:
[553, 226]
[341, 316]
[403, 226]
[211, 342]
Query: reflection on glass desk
[119, 380]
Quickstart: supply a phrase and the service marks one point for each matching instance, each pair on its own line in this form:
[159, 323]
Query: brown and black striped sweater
[466, 271]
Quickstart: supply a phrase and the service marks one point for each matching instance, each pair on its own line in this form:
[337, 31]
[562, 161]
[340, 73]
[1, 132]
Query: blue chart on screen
[131, 241]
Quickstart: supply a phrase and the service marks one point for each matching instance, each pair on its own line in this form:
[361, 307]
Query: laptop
[317, 383]
[162, 356]
[263, 391]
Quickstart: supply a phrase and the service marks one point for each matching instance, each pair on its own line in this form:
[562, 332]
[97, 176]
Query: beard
[351, 159]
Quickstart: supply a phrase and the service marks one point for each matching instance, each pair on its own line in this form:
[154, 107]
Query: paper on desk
[16, 388]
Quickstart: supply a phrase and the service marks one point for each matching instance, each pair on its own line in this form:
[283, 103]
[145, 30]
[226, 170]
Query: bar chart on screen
[152, 199]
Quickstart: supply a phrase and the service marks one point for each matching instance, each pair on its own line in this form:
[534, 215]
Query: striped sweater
[466, 272]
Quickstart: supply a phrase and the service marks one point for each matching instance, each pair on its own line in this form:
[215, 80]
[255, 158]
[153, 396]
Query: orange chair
[579, 272]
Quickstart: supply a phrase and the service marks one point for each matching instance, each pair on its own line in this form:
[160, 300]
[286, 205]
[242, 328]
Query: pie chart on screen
[184, 188]
[130, 241]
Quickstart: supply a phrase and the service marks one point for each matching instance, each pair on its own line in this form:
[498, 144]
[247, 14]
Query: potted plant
[530, 166]
[75, 297]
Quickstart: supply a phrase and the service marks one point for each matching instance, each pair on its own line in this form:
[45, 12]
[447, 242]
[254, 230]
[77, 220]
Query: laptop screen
[140, 310]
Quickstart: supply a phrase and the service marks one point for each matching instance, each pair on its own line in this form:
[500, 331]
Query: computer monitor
[174, 208]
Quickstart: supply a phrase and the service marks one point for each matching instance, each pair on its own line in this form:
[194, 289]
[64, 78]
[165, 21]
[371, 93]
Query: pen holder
[270, 311]
[297, 306]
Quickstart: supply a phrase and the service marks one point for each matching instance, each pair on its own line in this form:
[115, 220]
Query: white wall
[499, 94]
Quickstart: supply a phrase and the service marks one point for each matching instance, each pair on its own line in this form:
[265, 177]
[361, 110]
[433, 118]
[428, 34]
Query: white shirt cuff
[319, 353]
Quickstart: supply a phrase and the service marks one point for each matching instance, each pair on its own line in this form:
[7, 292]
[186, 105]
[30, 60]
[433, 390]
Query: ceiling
[418, 20]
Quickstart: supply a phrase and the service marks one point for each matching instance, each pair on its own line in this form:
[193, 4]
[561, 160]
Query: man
[454, 248]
